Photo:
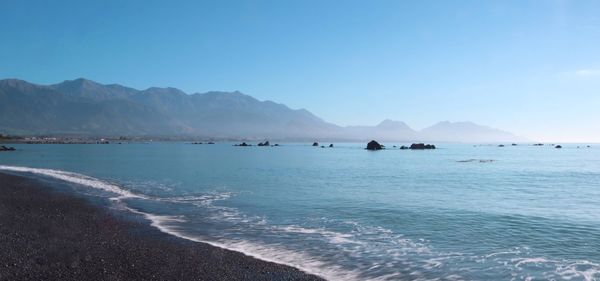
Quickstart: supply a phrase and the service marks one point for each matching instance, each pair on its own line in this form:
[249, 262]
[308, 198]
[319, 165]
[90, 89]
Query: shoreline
[49, 234]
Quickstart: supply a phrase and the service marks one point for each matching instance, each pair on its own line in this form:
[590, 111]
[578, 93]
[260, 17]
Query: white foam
[334, 237]
[522, 261]
[77, 179]
[571, 270]
[516, 252]
[220, 213]
[270, 253]
[205, 200]
[566, 270]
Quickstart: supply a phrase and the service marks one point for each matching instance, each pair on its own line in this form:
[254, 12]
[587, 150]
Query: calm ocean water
[533, 213]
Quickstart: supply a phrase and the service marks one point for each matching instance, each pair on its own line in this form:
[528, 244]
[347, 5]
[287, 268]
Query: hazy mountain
[84, 107]
[466, 132]
[386, 130]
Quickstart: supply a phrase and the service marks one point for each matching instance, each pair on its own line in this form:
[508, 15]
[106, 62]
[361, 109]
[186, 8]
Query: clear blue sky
[530, 67]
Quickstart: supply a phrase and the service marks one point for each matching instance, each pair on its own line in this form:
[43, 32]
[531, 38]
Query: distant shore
[51, 235]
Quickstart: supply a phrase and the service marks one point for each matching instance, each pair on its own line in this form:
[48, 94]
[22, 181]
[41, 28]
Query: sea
[459, 212]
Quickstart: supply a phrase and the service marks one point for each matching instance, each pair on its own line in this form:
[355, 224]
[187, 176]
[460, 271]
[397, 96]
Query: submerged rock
[373, 145]
[404, 147]
[476, 160]
[6, 148]
[500, 145]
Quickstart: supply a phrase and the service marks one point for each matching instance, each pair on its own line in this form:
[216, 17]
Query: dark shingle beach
[51, 235]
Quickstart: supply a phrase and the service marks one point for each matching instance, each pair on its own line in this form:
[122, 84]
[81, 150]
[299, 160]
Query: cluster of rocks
[316, 144]
[266, 143]
[242, 144]
[420, 146]
[6, 148]
[373, 145]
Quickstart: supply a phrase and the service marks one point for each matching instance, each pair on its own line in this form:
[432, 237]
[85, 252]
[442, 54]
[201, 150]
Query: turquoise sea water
[533, 213]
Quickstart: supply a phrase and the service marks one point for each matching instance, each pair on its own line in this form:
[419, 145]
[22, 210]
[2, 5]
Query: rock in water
[558, 146]
[373, 145]
[421, 146]
[315, 144]
[6, 148]
[331, 145]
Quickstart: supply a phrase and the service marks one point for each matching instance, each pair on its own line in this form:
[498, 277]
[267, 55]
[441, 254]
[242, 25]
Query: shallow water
[533, 213]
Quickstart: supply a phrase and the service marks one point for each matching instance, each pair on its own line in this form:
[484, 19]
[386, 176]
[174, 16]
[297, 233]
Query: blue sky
[529, 67]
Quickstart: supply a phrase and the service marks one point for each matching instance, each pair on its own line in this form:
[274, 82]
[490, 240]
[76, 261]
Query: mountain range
[87, 108]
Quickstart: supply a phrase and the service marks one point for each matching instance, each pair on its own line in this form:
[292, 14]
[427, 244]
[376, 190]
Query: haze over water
[345, 213]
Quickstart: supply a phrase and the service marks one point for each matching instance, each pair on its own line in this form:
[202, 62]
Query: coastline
[52, 235]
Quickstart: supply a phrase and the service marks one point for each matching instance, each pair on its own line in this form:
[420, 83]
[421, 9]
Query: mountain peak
[392, 124]
[79, 82]
[85, 88]
[78, 85]
[165, 90]
[12, 82]
[457, 124]
[18, 85]
[466, 131]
